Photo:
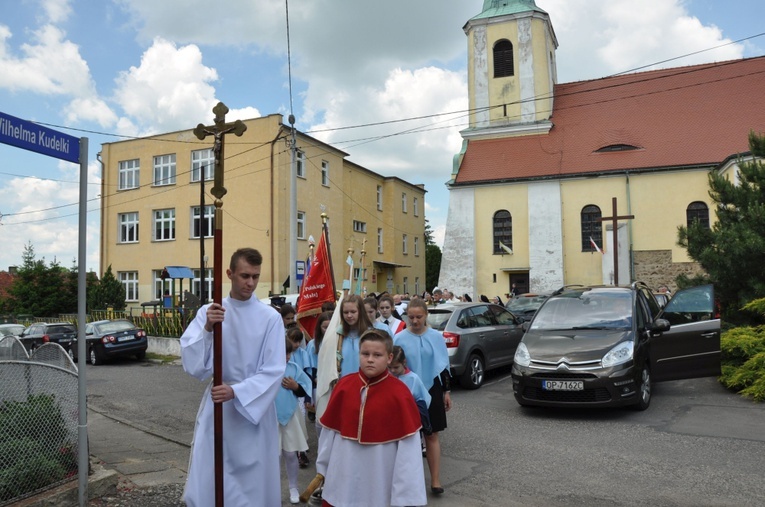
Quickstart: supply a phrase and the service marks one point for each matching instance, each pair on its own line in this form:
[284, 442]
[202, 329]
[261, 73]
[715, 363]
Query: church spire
[492, 8]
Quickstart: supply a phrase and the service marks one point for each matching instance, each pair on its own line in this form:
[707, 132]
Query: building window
[416, 246]
[503, 58]
[592, 227]
[300, 163]
[164, 170]
[325, 173]
[503, 231]
[129, 280]
[379, 198]
[129, 171]
[697, 212]
[379, 240]
[128, 224]
[403, 202]
[406, 284]
[417, 285]
[204, 298]
[164, 224]
[161, 287]
[404, 246]
[358, 274]
[301, 225]
[359, 226]
[416, 206]
[203, 227]
[202, 160]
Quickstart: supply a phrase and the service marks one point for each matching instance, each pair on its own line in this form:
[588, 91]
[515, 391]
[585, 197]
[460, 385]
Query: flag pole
[325, 231]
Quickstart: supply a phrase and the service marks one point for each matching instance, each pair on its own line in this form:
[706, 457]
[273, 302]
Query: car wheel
[644, 389]
[141, 355]
[473, 376]
[95, 357]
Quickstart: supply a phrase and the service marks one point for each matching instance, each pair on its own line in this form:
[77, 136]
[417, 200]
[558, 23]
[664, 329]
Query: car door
[510, 333]
[691, 347]
[483, 332]
[28, 337]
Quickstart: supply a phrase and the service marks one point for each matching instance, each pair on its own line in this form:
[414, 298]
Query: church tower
[511, 69]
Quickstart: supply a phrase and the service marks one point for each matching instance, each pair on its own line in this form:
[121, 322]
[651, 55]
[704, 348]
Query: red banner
[317, 288]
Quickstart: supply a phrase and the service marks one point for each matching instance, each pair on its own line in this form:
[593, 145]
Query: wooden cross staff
[615, 223]
[220, 129]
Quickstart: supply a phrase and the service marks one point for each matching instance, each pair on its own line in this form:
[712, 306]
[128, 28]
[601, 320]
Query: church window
[697, 212]
[503, 58]
[503, 231]
[592, 227]
[616, 147]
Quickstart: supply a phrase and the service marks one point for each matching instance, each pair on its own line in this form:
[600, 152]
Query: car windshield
[586, 310]
[525, 303]
[437, 319]
[113, 327]
[11, 330]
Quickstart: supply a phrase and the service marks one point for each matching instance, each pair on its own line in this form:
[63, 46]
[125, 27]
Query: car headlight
[522, 356]
[619, 354]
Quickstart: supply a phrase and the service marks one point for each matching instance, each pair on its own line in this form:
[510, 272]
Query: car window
[437, 319]
[115, 327]
[463, 321]
[502, 316]
[690, 305]
[582, 310]
[653, 305]
[481, 316]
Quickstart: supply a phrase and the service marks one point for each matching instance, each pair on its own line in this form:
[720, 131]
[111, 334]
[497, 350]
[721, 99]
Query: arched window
[503, 231]
[503, 58]
[697, 212]
[592, 227]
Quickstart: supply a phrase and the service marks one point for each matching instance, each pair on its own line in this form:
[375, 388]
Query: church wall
[545, 236]
[655, 268]
[478, 76]
[458, 259]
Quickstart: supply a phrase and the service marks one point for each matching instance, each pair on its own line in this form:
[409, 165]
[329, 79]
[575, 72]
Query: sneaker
[294, 495]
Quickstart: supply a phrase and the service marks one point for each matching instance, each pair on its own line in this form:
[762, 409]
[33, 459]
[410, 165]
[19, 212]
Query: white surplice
[254, 360]
[378, 475]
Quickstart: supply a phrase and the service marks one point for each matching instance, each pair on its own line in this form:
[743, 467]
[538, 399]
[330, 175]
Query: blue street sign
[33, 137]
[299, 270]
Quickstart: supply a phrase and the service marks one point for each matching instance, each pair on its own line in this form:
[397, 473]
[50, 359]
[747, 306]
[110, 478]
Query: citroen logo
[562, 366]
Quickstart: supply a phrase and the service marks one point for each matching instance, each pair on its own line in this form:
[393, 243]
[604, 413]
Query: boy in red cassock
[369, 449]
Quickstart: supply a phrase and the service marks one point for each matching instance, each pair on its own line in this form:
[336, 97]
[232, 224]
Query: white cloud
[56, 11]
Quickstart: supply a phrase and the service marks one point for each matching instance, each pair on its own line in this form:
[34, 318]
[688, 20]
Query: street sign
[299, 270]
[33, 137]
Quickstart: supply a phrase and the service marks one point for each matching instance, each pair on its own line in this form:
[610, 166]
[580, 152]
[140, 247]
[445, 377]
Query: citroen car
[606, 346]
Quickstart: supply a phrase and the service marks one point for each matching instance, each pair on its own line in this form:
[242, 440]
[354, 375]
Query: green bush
[743, 361]
[34, 446]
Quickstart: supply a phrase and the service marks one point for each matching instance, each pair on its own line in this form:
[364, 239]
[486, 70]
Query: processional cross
[614, 218]
[219, 130]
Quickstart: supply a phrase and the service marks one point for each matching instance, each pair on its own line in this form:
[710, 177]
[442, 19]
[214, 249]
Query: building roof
[6, 281]
[494, 8]
[681, 117]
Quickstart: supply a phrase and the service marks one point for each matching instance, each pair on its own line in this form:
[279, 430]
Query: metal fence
[38, 419]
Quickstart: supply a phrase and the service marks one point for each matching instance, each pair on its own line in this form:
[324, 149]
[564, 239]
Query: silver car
[479, 337]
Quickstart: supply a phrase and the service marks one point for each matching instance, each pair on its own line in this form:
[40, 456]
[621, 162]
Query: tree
[731, 250]
[39, 289]
[109, 292]
[432, 258]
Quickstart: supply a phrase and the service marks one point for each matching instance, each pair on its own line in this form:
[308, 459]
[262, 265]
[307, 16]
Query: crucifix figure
[614, 218]
[219, 130]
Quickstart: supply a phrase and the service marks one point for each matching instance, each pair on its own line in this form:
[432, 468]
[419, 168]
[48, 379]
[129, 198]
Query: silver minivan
[479, 337]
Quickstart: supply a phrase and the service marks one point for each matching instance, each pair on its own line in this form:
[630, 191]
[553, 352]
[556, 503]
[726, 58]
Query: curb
[101, 482]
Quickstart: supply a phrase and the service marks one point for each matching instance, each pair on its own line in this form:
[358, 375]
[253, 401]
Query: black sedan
[605, 346]
[108, 339]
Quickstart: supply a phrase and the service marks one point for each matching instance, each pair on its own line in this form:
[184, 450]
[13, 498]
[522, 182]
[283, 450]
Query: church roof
[493, 8]
[681, 117]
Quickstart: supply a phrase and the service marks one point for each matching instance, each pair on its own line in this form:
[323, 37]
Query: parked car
[40, 333]
[662, 298]
[526, 305]
[479, 337]
[11, 330]
[606, 346]
[107, 339]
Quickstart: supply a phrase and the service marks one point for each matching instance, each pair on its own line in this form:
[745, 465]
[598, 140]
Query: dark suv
[605, 346]
[41, 333]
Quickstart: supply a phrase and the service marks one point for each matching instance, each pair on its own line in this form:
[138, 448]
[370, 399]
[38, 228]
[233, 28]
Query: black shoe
[436, 490]
[303, 460]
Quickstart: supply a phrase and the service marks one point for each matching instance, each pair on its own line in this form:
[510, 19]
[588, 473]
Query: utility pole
[293, 208]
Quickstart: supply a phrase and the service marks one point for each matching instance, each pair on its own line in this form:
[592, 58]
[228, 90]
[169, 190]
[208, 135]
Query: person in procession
[299, 356]
[292, 437]
[370, 305]
[369, 451]
[354, 323]
[427, 356]
[312, 349]
[386, 307]
[401, 371]
[253, 362]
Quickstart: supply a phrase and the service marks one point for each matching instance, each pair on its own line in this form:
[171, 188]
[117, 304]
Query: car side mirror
[659, 326]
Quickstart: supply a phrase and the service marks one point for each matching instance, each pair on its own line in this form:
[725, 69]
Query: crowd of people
[384, 413]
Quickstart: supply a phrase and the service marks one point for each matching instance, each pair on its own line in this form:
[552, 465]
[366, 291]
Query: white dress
[253, 361]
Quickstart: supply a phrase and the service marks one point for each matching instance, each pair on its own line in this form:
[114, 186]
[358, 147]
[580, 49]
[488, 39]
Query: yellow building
[151, 201]
[541, 164]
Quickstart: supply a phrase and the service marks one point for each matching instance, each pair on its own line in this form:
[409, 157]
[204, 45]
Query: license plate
[124, 338]
[563, 385]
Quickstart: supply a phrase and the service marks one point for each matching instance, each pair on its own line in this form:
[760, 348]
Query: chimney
[13, 270]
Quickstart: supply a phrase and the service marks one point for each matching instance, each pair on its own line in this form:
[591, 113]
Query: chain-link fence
[38, 419]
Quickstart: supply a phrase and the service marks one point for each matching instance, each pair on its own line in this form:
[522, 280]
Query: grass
[161, 357]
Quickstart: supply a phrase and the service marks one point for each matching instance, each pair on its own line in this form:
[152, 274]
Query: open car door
[691, 347]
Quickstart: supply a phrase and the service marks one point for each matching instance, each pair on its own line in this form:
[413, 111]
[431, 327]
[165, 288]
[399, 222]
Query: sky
[106, 69]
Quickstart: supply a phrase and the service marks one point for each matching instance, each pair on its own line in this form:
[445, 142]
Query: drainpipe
[271, 228]
[629, 226]
[103, 241]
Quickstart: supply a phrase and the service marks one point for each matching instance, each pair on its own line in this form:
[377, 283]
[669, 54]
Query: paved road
[696, 445]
